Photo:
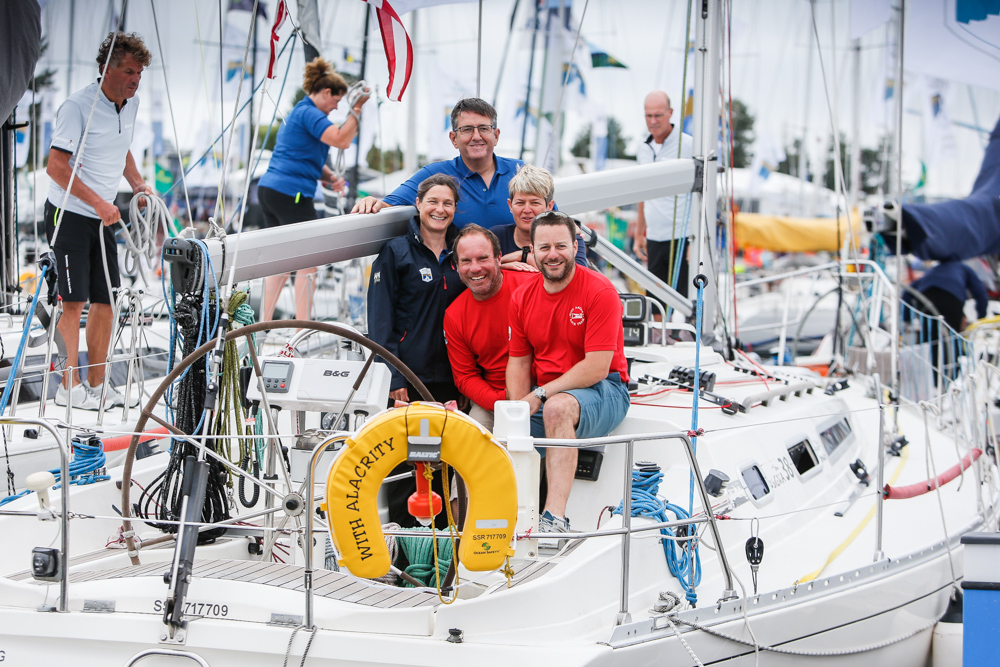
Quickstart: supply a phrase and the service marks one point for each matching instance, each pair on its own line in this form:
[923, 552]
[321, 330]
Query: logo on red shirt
[576, 316]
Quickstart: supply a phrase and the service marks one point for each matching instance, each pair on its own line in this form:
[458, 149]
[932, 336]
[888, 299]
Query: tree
[790, 165]
[830, 176]
[872, 173]
[743, 136]
[393, 160]
[874, 176]
[617, 144]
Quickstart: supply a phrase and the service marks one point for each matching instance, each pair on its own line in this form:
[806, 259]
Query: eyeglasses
[467, 130]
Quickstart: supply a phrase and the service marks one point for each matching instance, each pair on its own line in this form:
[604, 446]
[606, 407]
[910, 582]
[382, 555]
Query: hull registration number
[210, 609]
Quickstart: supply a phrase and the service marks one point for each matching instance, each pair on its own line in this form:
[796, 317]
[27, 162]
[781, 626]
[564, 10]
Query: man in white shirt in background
[88, 212]
[662, 225]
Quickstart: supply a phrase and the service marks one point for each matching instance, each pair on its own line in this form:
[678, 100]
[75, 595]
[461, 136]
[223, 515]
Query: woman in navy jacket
[413, 281]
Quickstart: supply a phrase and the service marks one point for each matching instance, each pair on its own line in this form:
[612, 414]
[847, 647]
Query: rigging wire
[564, 84]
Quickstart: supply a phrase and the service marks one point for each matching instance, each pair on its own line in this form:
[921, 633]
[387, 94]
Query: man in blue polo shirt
[481, 175]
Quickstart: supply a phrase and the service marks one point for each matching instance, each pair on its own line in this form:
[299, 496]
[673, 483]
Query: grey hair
[532, 180]
[476, 106]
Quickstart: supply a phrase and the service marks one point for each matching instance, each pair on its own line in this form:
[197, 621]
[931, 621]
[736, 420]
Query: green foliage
[743, 136]
[872, 175]
[790, 165]
[617, 143]
[392, 160]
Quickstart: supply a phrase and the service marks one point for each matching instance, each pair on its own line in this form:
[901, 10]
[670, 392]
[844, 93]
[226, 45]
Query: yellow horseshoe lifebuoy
[381, 445]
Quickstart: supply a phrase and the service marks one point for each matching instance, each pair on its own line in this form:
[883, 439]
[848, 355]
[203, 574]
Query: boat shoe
[83, 398]
[114, 399]
[549, 523]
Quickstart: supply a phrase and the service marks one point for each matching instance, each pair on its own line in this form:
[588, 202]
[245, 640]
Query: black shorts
[79, 264]
[661, 260]
[281, 209]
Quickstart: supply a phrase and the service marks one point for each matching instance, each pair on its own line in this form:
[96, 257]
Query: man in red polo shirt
[566, 331]
[476, 326]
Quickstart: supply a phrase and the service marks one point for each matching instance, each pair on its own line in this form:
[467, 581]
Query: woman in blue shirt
[297, 162]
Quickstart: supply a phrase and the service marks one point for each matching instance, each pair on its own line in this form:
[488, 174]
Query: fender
[371, 454]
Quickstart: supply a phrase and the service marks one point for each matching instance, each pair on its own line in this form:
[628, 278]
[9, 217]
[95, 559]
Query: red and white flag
[279, 18]
[398, 48]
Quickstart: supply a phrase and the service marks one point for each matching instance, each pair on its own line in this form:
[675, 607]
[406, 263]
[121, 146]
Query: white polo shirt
[107, 146]
[659, 213]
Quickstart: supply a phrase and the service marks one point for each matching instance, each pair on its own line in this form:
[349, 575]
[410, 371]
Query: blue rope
[645, 485]
[699, 282]
[87, 460]
[15, 367]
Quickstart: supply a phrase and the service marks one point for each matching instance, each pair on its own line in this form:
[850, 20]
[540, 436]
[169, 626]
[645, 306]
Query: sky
[774, 67]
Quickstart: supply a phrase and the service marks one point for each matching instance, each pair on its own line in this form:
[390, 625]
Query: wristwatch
[524, 254]
[540, 393]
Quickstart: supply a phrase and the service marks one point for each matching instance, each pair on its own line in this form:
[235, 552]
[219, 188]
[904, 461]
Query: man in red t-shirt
[566, 331]
[476, 326]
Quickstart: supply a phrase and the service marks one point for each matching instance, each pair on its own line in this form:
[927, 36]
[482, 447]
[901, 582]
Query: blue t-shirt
[485, 206]
[299, 155]
[505, 234]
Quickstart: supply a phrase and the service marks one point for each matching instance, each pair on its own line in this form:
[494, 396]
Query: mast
[353, 192]
[897, 190]
[531, 69]
[410, 158]
[855, 194]
[705, 123]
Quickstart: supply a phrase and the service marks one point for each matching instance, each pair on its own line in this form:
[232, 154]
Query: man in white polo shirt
[662, 224]
[84, 217]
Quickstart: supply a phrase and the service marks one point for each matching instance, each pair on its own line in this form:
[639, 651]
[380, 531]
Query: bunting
[398, 48]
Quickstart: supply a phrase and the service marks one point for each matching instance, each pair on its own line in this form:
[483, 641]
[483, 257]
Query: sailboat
[740, 513]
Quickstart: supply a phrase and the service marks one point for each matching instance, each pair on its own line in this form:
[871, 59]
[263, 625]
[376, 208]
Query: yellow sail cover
[784, 234]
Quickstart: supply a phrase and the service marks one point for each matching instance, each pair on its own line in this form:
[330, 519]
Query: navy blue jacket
[408, 293]
[958, 280]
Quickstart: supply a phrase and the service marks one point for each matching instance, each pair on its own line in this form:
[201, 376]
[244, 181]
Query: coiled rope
[146, 213]
[645, 485]
[419, 551]
[86, 467]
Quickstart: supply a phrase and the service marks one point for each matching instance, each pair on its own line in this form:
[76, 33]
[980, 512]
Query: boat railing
[64, 498]
[683, 437]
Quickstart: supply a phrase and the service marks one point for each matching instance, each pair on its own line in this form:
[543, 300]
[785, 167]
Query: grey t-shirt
[107, 145]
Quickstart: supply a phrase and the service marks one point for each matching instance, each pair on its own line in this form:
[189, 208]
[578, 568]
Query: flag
[279, 18]
[164, 179]
[398, 48]
[687, 119]
[939, 137]
[601, 58]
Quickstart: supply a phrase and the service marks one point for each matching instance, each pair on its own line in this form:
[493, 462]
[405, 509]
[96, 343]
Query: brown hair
[473, 228]
[125, 44]
[320, 75]
[553, 219]
[437, 179]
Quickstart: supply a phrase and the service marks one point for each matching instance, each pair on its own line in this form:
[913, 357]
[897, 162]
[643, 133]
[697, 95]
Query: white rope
[140, 240]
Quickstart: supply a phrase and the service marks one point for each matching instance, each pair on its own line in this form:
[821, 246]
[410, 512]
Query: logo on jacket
[425, 275]
[576, 316]
[377, 278]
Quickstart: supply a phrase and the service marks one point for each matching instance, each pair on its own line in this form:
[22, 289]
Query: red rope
[920, 488]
